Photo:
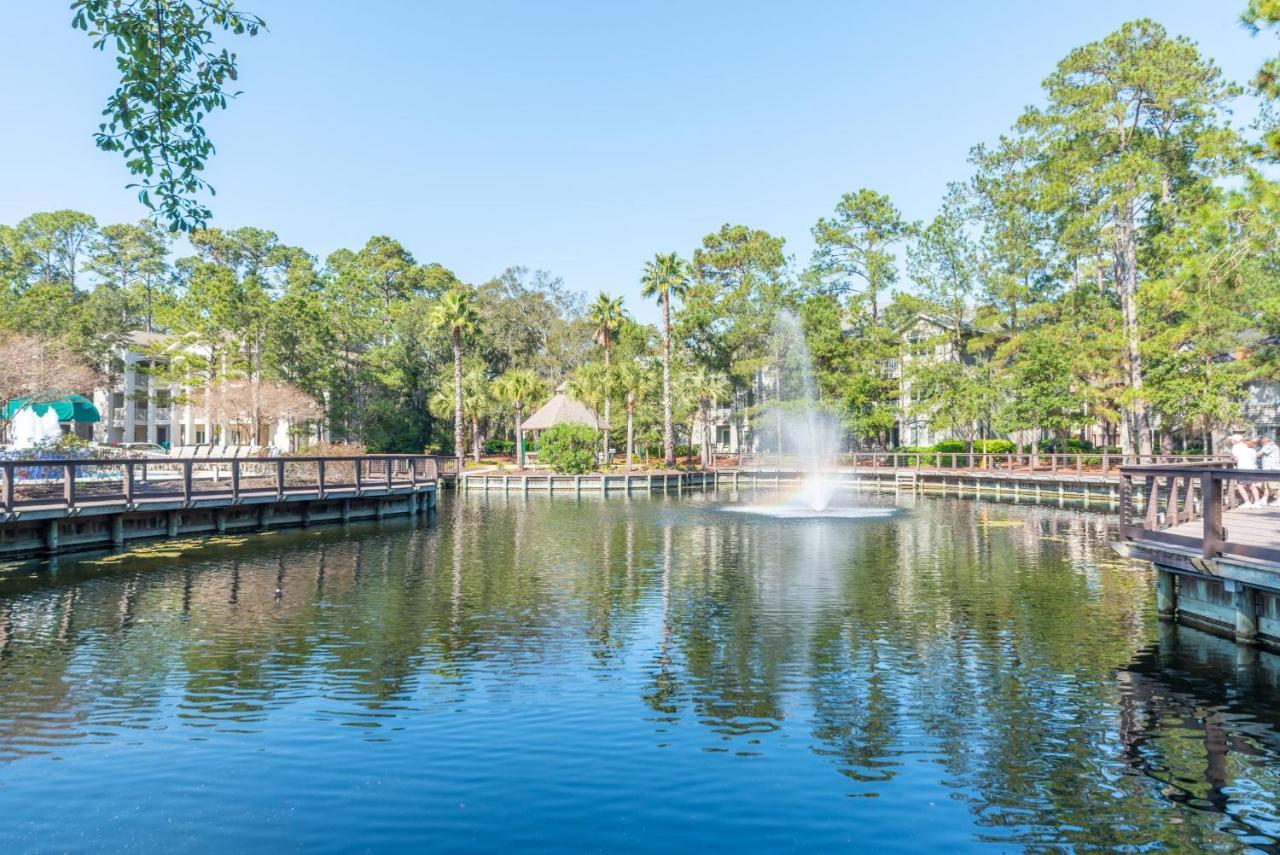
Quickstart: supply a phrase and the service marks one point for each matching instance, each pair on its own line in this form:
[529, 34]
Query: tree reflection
[1003, 646]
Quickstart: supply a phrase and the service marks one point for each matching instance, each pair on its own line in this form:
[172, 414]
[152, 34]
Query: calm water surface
[637, 675]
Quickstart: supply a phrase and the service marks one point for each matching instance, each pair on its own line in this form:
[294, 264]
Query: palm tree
[517, 387]
[475, 400]
[607, 316]
[707, 388]
[664, 276]
[475, 397]
[455, 312]
[631, 379]
[589, 384]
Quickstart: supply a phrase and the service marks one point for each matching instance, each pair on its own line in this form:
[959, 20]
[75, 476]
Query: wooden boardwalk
[1218, 562]
[52, 506]
[1254, 528]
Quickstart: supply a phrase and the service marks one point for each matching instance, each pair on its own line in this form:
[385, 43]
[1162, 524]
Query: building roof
[560, 410]
[142, 338]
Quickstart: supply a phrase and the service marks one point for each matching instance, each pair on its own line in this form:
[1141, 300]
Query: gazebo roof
[561, 409]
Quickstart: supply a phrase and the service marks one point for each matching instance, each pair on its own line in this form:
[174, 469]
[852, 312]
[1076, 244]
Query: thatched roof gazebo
[560, 410]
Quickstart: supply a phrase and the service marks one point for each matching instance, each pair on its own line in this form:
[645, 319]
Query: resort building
[139, 405]
[925, 338]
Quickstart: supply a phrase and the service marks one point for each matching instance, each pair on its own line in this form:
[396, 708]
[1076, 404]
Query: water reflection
[985, 656]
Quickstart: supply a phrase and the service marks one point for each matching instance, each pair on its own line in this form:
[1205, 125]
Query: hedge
[568, 449]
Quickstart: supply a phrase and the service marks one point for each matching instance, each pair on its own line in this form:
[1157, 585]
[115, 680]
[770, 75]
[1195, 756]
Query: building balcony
[164, 414]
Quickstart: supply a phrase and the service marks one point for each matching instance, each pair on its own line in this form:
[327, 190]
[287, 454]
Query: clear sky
[572, 136]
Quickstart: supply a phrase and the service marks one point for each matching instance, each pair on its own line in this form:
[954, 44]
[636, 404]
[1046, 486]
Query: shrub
[334, 449]
[568, 449]
[1072, 445]
[499, 446]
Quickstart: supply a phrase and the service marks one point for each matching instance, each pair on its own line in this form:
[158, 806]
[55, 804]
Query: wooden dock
[1218, 562]
[1020, 485]
[63, 505]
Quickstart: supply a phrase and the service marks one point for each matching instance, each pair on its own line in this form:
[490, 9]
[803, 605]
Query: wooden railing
[1053, 463]
[75, 482]
[1183, 506]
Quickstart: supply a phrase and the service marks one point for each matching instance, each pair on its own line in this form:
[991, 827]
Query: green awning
[72, 408]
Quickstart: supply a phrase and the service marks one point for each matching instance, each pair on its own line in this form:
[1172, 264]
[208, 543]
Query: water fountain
[805, 434]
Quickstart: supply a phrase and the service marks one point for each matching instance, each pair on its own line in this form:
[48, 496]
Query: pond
[632, 675]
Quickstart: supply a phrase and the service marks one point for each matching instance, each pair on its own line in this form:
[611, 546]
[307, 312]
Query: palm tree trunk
[458, 451]
[709, 432]
[630, 432]
[668, 432]
[475, 438]
[608, 347]
[703, 416]
[519, 438]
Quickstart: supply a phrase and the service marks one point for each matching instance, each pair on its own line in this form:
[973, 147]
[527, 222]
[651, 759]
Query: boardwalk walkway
[1218, 562]
[50, 506]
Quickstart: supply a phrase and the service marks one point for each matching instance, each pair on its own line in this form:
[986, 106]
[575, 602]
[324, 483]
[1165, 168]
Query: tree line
[1111, 260]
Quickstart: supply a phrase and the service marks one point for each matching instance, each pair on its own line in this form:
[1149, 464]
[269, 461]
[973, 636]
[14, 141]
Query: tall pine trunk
[1126, 273]
[668, 431]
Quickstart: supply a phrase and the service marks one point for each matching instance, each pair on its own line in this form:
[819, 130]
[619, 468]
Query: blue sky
[575, 137]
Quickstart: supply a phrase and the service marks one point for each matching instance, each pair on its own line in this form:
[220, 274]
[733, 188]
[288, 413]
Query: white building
[138, 406]
[925, 339]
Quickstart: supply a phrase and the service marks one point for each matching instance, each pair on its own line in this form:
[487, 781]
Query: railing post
[1126, 499]
[320, 476]
[1211, 498]
[359, 480]
[1053, 462]
[128, 482]
[413, 473]
[69, 484]
[390, 472]
[6, 499]
[186, 480]
[1152, 518]
[1079, 463]
[279, 477]
[235, 480]
[1105, 460]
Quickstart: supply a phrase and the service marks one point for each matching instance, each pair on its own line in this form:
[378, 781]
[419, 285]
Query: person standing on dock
[1269, 461]
[1247, 459]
